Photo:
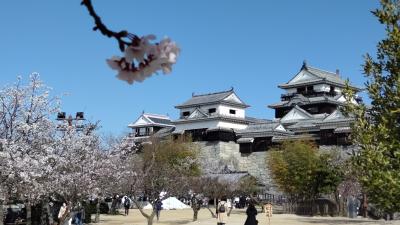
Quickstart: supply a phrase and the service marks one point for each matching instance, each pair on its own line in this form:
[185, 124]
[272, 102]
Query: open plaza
[180, 217]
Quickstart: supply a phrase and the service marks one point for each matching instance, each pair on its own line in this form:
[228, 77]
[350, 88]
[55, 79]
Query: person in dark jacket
[158, 208]
[251, 215]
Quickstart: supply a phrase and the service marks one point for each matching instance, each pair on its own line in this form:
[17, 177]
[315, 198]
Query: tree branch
[212, 213]
[99, 25]
[140, 208]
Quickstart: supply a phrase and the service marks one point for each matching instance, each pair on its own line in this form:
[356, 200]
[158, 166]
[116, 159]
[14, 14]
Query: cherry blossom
[142, 59]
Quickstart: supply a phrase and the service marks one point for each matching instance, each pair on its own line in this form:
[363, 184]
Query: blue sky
[252, 45]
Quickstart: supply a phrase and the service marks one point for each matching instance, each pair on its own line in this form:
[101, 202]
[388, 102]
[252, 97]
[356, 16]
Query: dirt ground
[238, 217]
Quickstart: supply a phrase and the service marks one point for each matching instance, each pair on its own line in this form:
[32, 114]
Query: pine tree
[376, 129]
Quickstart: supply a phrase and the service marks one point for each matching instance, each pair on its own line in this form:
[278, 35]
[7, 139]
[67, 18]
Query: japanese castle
[309, 108]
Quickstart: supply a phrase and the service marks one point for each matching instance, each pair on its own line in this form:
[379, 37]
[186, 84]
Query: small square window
[232, 111]
[212, 110]
[186, 113]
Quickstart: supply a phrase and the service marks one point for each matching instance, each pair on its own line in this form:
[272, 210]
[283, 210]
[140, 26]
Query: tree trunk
[114, 206]
[195, 213]
[1, 213]
[97, 218]
[212, 213]
[343, 207]
[46, 216]
[365, 206]
[28, 213]
[49, 214]
[43, 214]
[147, 216]
[150, 219]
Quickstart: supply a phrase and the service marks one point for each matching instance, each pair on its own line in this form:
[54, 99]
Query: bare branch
[99, 25]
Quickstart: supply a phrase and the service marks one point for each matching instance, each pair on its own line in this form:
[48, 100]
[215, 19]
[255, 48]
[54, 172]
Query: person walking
[268, 211]
[158, 208]
[63, 215]
[221, 211]
[251, 215]
[78, 214]
[127, 205]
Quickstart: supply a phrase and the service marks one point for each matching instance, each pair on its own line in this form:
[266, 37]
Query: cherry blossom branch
[99, 25]
[142, 56]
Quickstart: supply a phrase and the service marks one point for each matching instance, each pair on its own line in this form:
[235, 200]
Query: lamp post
[70, 121]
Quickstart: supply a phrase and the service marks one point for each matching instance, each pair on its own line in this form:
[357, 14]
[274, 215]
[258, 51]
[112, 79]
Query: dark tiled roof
[228, 177]
[164, 132]
[260, 127]
[333, 77]
[262, 130]
[322, 76]
[160, 120]
[306, 101]
[217, 97]
[256, 120]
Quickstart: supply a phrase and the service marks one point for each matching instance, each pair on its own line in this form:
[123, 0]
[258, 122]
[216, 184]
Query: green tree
[376, 129]
[302, 172]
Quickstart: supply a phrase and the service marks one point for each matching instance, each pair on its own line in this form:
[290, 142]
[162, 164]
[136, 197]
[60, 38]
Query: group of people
[127, 205]
[251, 212]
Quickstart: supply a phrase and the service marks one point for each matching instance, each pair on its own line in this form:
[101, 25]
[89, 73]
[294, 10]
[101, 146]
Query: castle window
[332, 89]
[301, 90]
[212, 110]
[186, 113]
[142, 131]
[313, 109]
[232, 111]
[310, 88]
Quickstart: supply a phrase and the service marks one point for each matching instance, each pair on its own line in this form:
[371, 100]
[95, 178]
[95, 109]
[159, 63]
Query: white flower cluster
[143, 58]
[38, 159]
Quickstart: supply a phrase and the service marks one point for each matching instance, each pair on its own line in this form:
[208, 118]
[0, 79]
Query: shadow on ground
[334, 221]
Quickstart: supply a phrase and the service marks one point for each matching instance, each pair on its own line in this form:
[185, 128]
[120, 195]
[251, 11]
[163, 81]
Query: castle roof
[310, 75]
[299, 120]
[225, 97]
[148, 119]
[262, 130]
[299, 99]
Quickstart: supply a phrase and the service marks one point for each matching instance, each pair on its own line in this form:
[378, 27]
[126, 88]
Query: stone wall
[215, 156]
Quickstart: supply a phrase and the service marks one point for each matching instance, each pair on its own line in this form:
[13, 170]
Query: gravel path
[176, 217]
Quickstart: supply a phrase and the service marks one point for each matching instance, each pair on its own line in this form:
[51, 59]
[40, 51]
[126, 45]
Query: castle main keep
[228, 138]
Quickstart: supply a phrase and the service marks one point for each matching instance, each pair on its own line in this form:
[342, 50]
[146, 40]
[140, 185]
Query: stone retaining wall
[215, 156]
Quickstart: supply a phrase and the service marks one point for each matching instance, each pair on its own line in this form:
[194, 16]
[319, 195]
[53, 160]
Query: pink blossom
[142, 59]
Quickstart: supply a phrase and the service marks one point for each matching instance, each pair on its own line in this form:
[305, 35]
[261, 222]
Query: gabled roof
[263, 130]
[337, 114]
[295, 114]
[310, 75]
[336, 117]
[197, 113]
[337, 100]
[225, 97]
[147, 119]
